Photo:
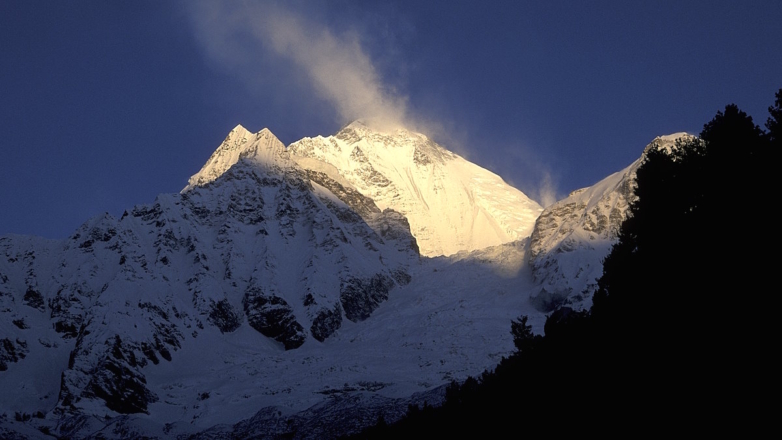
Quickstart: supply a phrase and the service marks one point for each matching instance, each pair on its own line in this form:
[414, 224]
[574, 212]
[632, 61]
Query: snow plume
[546, 191]
[337, 68]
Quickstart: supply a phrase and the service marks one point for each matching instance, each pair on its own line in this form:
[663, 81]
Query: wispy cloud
[335, 65]
[546, 192]
[522, 168]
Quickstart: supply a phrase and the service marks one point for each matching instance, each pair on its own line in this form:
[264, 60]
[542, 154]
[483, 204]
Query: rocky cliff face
[572, 236]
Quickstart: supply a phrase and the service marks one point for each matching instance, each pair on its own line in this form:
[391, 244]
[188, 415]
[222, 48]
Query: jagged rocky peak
[263, 149]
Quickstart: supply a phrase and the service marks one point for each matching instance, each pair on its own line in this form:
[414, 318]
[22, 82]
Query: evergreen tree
[523, 338]
[688, 256]
[774, 122]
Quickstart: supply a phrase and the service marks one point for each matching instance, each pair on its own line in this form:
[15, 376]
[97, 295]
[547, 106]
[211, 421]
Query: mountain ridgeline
[309, 291]
[572, 236]
[670, 341]
[279, 280]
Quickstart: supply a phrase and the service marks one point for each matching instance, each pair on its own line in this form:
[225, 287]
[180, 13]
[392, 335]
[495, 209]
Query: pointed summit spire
[262, 148]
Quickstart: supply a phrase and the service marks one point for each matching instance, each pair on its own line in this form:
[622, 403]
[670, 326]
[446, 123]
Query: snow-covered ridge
[572, 236]
[668, 141]
[262, 148]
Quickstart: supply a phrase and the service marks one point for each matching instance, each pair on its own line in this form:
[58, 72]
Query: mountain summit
[452, 205]
[262, 148]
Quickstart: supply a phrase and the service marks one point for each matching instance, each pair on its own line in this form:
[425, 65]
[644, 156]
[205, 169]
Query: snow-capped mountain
[573, 236]
[299, 291]
[452, 205]
[277, 289]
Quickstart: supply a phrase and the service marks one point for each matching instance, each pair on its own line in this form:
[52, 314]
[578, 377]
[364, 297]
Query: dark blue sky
[103, 105]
